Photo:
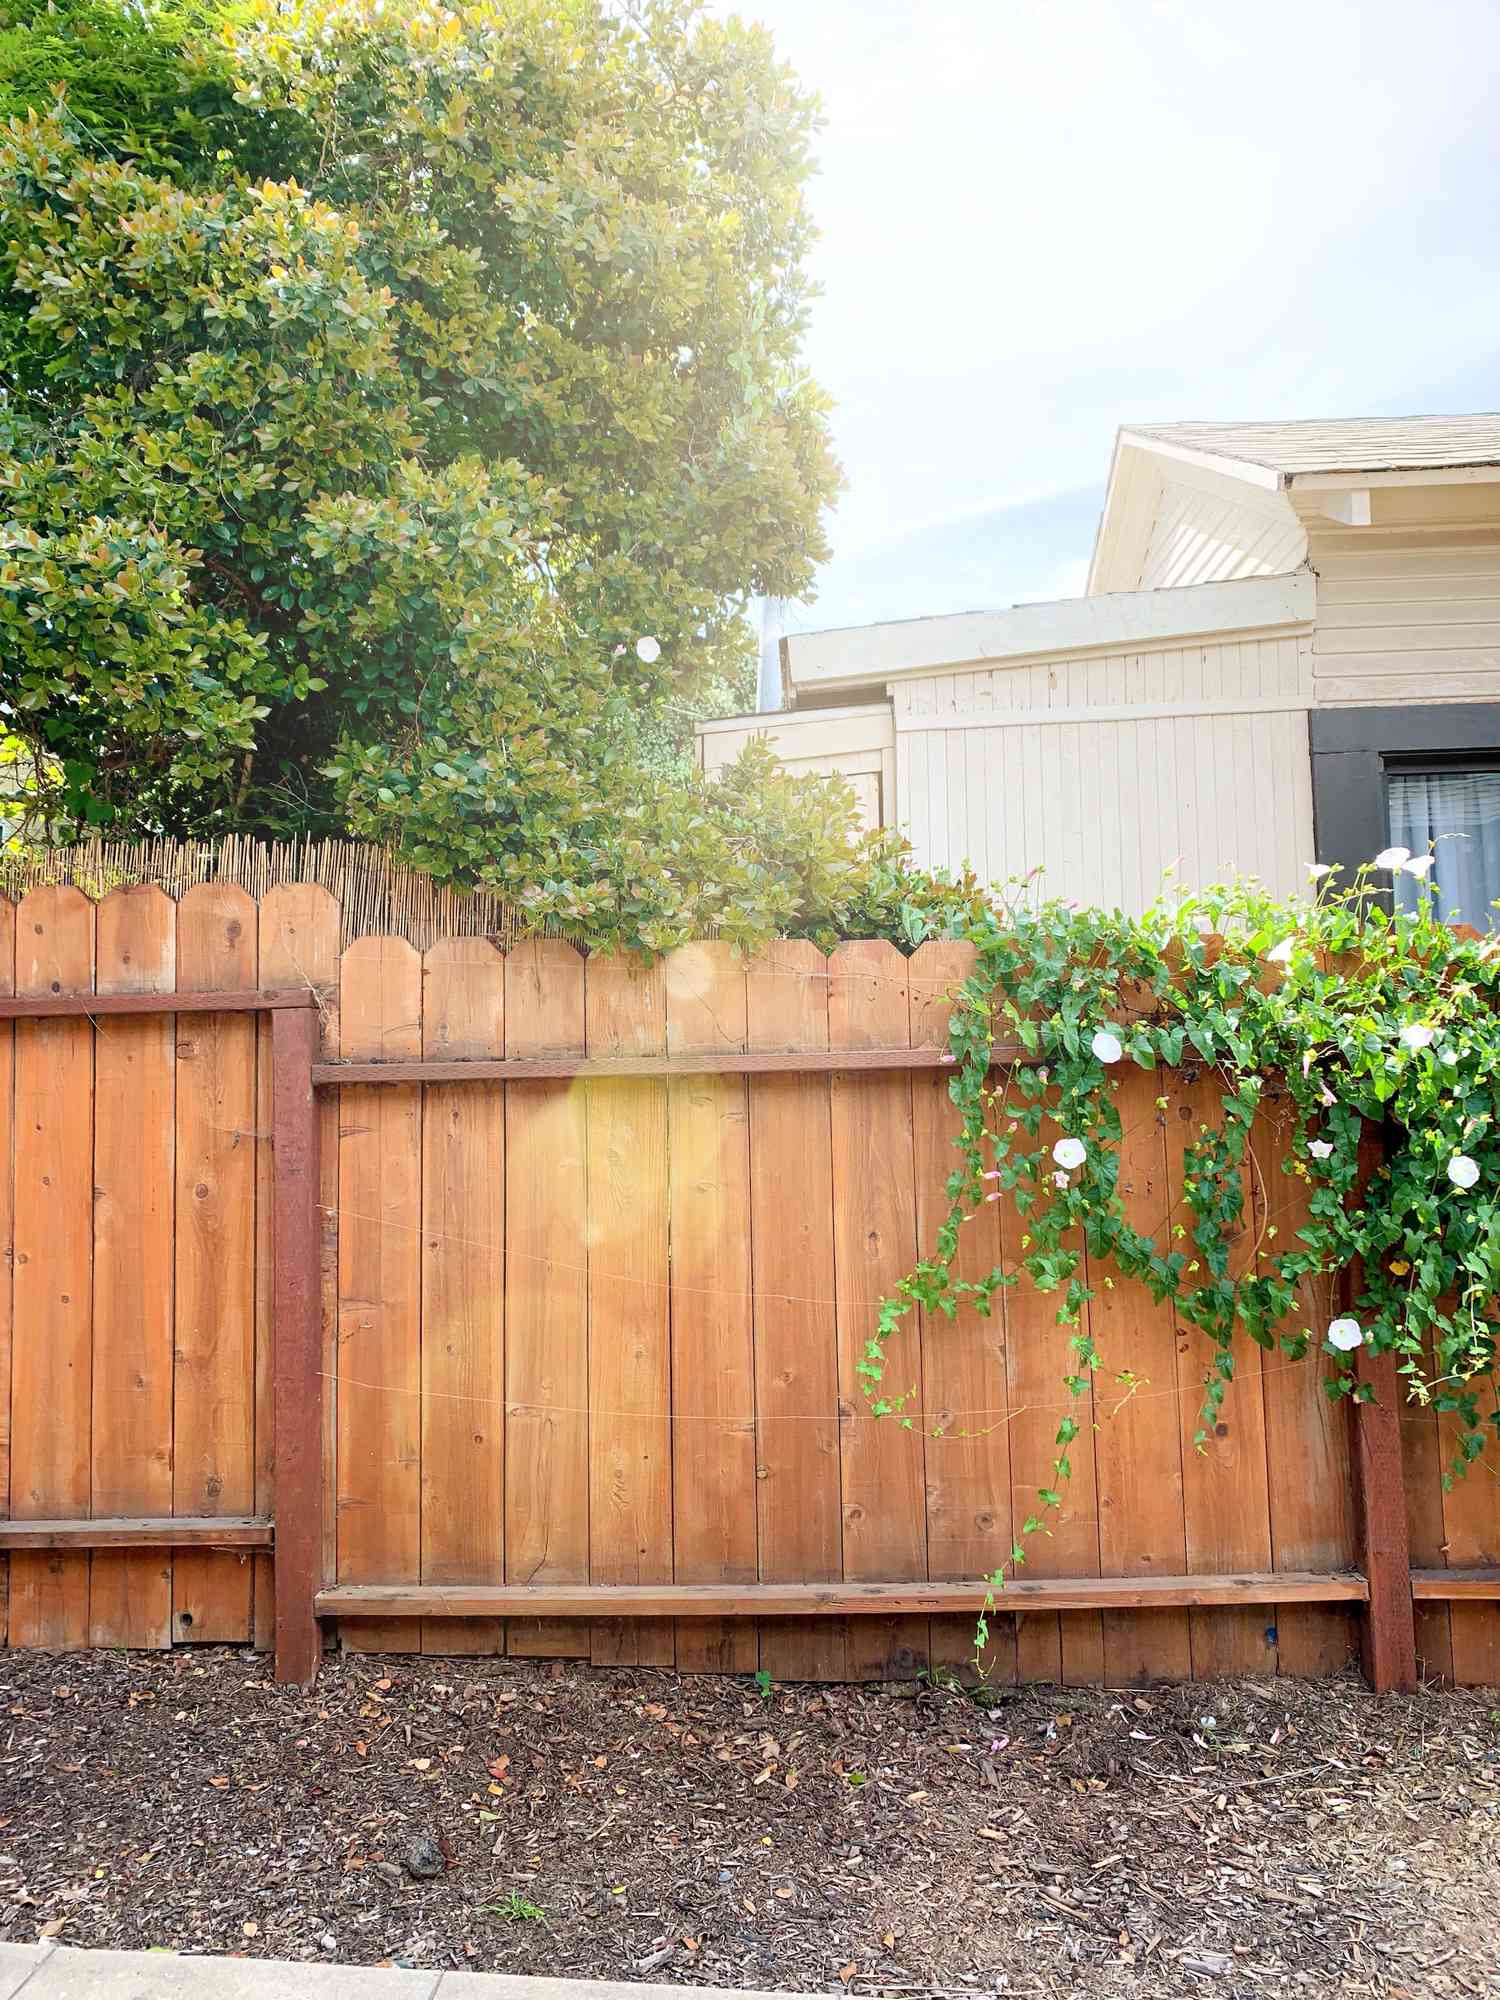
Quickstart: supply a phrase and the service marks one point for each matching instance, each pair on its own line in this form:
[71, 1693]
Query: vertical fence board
[1307, 1438]
[1471, 1523]
[546, 1297]
[130, 1593]
[1228, 1508]
[630, 1446]
[798, 1487]
[463, 1290]
[875, 1244]
[1141, 1527]
[380, 1264]
[299, 947]
[7, 1227]
[52, 1362]
[963, 1360]
[713, 1386]
[213, 1390]
[1422, 1471]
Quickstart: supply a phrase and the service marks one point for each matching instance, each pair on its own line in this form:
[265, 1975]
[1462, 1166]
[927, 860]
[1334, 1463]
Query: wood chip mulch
[1248, 1838]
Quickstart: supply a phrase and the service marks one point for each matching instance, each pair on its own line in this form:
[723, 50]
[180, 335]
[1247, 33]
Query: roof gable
[1373, 444]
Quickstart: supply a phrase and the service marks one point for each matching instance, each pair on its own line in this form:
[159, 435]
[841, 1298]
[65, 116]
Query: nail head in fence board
[135, 1057]
[713, 1361]
[7, 1228]
[856, 1600]
[298, 1340]
[1226, 1502]
[380, 1277]
[52, 1360]
[213, 1382]
[463, 1290]
[963, 1359]
[630, 1442]
[546, 1298]
[300, 926]
[799, 1519]
[875, 1245]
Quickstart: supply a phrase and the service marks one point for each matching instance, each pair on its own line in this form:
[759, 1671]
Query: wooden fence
[526, 1314]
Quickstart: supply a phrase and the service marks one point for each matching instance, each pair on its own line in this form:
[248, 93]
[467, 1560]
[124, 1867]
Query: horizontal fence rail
[550, 1344]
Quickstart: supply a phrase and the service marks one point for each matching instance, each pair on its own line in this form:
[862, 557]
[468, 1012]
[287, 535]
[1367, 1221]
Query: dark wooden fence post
[298, 1341]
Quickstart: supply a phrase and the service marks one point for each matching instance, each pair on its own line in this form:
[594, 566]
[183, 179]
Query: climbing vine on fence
[1365, 1022]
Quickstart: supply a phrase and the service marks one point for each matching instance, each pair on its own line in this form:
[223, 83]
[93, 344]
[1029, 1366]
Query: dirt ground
[1255, 1838]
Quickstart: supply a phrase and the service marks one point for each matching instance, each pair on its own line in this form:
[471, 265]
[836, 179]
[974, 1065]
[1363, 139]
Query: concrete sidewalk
[52, 1972]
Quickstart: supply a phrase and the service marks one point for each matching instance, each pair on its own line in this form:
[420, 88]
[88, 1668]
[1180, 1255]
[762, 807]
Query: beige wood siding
[1106, 773]
[1407, 616]
[857, 743]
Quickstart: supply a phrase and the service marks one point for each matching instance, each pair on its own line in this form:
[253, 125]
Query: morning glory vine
[1378, 1034]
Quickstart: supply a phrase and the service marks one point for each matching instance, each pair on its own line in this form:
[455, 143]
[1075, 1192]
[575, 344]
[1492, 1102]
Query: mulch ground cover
[1253, 1838]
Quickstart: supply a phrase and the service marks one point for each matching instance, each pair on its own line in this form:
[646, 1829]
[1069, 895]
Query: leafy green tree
[391, 491]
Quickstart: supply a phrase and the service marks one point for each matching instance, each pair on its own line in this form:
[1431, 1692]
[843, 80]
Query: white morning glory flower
[1107, 1047]
[1417, 1035]
[1326, 1098]
[648, 650]
[1462, 1171]
[1345, 1335]
[1279, 954]
[1060, 1179]
[1392, 857]
[1418, 865]
[1070, 1153]
[1319, 1148]
[1316, 870]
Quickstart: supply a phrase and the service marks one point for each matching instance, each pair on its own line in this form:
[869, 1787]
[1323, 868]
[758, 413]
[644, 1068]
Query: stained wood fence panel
[610, 1331]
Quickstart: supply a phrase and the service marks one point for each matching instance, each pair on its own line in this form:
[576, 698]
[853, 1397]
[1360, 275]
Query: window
[1455, 811]
[1413, 777]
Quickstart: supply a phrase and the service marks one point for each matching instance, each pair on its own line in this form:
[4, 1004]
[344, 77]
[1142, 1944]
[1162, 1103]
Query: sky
[1044, 218]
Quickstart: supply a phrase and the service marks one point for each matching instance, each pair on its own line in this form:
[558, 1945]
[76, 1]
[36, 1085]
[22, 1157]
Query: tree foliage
[339, 495]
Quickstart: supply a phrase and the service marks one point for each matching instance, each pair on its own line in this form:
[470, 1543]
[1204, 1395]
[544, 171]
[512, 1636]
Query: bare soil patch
[1253, 1838]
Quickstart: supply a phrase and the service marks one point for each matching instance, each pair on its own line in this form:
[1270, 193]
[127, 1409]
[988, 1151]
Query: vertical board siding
[614, 1331]
[1111, 810]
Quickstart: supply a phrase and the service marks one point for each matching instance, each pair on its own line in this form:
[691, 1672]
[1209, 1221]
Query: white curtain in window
[1458, 814]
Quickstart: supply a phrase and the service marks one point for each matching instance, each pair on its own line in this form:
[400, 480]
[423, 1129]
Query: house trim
[1121, 622]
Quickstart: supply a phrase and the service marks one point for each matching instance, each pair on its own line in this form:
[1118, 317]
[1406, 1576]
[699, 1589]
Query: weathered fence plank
[875, 1245]
[800, 1521]
[52, 1365]
[630, 1444]
[963, 1359]
[380, 1266]
[130, 1594]
[713, 1359]
[213, 1386]
[463, 1290]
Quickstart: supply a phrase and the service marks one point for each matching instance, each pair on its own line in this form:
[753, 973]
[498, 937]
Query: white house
[1289, 649]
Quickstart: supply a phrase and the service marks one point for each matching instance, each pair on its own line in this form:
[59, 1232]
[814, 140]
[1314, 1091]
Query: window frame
[1354, 752]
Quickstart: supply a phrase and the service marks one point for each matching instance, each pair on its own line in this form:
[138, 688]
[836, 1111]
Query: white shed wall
[1107, 772]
